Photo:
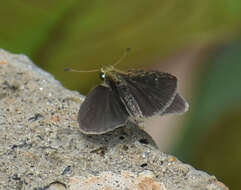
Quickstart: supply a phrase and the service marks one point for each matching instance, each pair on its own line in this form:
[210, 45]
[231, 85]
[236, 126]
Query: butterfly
[128, 96]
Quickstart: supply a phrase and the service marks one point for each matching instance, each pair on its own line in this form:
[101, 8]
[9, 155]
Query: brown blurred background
[198, 41]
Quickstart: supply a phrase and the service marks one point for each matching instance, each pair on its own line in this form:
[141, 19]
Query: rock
[41, 146]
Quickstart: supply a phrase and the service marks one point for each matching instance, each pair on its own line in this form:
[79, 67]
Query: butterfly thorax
[115, 80]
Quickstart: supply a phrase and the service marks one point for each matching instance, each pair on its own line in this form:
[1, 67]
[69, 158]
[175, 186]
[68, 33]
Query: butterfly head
[106, 71]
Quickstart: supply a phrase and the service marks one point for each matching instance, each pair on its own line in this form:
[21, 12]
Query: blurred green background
[199, 41]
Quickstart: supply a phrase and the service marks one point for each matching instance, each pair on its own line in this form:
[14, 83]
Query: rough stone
[41, 146]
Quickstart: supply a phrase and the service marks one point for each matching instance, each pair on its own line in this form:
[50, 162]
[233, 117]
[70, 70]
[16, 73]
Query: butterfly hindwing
[178, 105]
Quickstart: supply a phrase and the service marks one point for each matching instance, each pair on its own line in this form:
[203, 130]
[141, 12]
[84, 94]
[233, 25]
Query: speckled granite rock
[41, 146]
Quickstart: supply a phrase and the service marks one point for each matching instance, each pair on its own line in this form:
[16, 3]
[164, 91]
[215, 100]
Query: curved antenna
[122, 57]
[80, 71]
[97, 70]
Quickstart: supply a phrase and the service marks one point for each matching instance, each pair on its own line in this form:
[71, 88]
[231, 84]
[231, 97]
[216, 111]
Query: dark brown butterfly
[129, 96]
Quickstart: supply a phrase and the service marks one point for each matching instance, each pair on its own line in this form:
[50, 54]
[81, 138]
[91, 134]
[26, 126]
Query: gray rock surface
[41, 146]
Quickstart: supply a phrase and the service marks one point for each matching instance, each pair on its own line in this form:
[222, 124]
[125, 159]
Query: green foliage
[85, 35]
[212, 135]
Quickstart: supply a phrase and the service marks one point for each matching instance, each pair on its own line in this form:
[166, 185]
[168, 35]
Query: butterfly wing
[179, 105]
[153, 91]
[101, 111]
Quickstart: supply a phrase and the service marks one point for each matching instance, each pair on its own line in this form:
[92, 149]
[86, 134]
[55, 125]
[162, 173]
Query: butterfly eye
[102, 76]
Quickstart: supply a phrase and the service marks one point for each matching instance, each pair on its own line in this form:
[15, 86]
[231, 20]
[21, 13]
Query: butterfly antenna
[80, 71]
[122, 57]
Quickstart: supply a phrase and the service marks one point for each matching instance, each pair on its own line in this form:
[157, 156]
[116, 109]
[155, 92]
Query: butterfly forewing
[153, 91]
[101, 111]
